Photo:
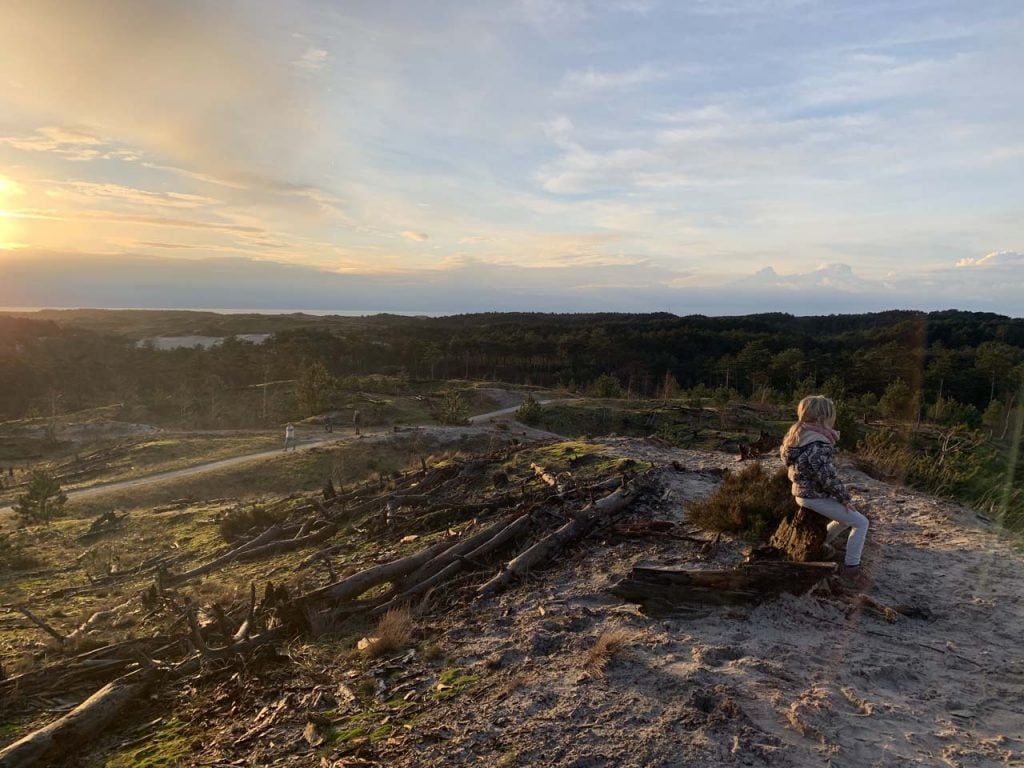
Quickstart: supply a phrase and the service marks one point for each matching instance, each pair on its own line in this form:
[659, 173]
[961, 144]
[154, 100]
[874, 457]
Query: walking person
[289, 437]
[355, 420]
[808, 453]
[328, 423]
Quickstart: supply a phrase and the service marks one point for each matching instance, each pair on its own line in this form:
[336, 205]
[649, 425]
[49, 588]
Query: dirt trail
[304, 444]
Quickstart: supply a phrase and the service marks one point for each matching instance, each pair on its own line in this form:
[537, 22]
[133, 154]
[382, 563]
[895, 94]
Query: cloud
[313, 60]
[199, 83]
[995, 259]
[416, 237]
[88, 192]
[71, 143]
[467, 284]
[589, 81]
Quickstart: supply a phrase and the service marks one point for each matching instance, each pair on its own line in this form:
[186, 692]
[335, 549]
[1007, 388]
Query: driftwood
[586, 521]
[667, 588]
[800, 535]
[92, 716]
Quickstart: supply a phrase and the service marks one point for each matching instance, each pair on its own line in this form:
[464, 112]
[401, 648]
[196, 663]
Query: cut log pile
[493, 536]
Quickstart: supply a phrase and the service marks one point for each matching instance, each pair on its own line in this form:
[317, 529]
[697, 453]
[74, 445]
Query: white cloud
[995, 259]
[416, 237]
[313, 60]
[590, 80]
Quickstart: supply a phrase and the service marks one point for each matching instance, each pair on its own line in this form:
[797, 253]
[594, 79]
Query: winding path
[196, 469]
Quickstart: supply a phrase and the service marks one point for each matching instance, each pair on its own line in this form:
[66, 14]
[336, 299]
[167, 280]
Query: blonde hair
[813, 409]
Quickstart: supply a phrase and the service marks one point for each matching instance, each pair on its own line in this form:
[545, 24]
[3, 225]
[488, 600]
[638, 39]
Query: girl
[807, 453]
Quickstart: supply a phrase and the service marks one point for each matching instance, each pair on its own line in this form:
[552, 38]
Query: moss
[166, 747]
[452, 682]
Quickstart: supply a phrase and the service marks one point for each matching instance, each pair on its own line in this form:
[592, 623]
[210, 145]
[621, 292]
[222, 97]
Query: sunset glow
[555, 154]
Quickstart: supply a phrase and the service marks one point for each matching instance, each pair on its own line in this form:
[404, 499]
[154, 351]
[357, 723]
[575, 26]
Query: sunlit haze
[714, 156]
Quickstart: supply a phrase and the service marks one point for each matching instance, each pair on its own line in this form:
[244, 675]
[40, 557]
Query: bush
[605, 386]
[899, 401]
[529, 412]
[453, 408]
[748, 503]
[14, 557]
[947, 464]
[242, 519]
[42, 501]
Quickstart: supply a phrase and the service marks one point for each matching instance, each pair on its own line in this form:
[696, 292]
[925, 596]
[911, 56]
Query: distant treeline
[82, 360]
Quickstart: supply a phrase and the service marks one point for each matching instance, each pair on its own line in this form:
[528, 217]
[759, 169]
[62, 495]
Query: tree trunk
[58, 739]
[801, 535]
[665, 589]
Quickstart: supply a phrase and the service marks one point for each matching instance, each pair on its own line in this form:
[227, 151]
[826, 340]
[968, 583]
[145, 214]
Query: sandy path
[304, 445]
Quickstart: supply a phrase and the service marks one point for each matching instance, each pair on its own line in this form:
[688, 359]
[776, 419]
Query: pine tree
[42, 501]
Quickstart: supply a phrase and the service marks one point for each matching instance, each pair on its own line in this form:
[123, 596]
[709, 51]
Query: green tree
[606, 386]
[42, 501]
[898, 400]
[453, 408]
[997, 360]
[313, 387]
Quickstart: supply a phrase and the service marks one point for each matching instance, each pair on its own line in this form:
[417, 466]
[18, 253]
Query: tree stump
[801, 535]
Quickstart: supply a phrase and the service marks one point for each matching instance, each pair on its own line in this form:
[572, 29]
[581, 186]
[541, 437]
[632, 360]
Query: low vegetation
[748, 503]
[609, 643]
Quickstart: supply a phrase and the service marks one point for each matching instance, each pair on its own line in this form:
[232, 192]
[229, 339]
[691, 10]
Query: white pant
[842, 518]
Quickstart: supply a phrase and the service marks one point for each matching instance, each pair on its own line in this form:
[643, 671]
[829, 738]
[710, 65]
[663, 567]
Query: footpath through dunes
[553, 670]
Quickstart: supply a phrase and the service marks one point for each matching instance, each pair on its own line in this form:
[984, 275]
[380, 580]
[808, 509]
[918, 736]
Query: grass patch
[394, 631]
[609, 643]
[748, 503]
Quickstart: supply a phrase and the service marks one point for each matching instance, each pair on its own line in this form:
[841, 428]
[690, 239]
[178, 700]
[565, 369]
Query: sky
[689, 156]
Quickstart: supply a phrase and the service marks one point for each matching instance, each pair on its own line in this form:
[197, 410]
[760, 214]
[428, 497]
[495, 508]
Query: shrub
[453, 408]
[608, 644]
[529, 412]
[748, 503]
[394, 631]
[241, 519]
[899, 401]
[14, 557]
[42, 501]
[946, 464]
[605, 386]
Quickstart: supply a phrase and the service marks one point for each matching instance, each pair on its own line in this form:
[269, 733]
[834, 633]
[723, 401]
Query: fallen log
[586, 521]
[272, 533]
[413, 586]
[357, 583]
[92, 716]
[263, 545]
[661, 589]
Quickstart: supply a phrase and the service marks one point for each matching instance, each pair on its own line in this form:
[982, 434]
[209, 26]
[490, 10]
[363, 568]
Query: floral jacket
[812, 470]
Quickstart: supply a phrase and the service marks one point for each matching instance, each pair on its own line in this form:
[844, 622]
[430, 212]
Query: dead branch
[585, 522]
[357, 583]
[43, 625]
[266, 547]
[413, 586]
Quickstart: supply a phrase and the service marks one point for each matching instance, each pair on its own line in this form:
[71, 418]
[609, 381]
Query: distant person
[355, 420]
[289, 437]
[328, 423]
[808, 453]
